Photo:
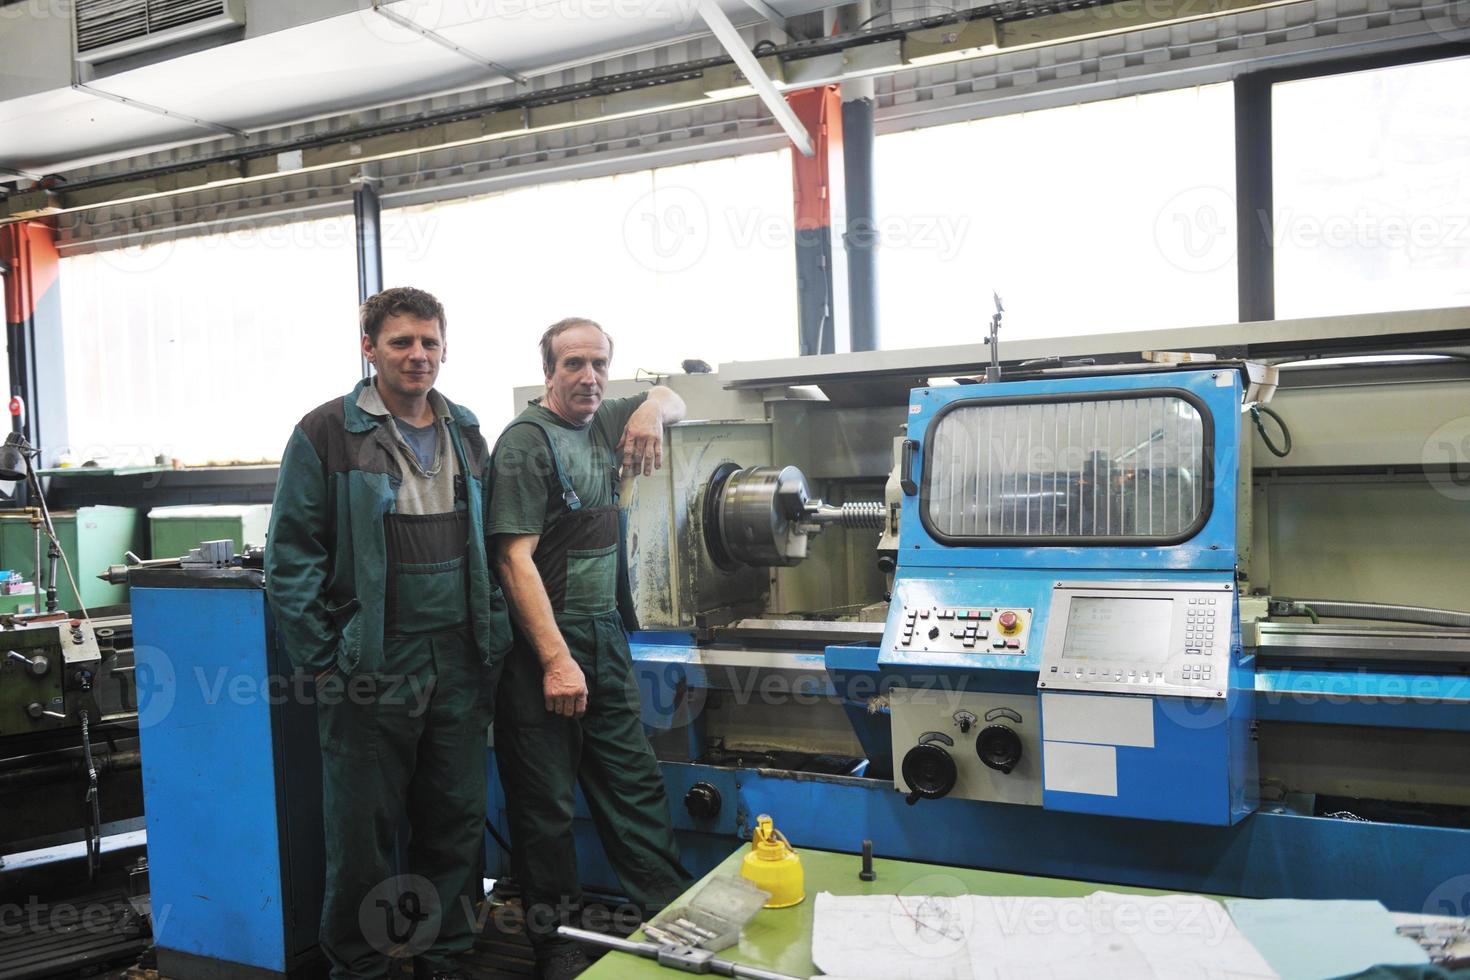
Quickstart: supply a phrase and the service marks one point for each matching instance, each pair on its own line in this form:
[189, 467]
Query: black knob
[929, 771]
[999, 748]
[934, 632]
[886, 564]
[702, 801]
[35, 709]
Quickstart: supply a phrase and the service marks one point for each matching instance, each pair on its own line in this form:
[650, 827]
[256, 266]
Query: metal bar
[682, 959]
[1290, 641]
[1254, 244]
[159, 110]
[368, 219]
[734, 46]
[444, 42]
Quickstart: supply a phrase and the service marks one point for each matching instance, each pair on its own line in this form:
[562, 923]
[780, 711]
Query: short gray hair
[548, 339]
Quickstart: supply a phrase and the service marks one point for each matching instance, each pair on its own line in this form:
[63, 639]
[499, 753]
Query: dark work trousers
[409, 739]
[542, 757]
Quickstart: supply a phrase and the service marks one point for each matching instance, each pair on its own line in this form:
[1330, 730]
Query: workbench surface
[781, 939]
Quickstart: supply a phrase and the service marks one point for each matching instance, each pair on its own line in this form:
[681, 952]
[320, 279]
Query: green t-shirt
[526, 498]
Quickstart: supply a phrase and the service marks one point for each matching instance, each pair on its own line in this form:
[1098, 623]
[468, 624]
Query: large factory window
[210, 348]
[692, 261]
[1372, 190]
[1109, 216]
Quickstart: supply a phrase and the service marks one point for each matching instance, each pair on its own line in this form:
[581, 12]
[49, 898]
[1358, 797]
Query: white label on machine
[1098, 719]
[1071, 767]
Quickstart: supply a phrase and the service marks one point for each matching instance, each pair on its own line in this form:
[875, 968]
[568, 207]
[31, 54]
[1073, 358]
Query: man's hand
[565, 688]
[642, 444]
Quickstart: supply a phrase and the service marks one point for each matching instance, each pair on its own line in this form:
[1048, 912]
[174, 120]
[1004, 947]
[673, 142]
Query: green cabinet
[91, 538]
[173, 531]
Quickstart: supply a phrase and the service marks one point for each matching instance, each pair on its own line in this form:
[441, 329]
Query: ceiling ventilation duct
[113, 28]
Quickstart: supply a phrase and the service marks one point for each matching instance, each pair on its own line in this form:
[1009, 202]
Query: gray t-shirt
[424, 441]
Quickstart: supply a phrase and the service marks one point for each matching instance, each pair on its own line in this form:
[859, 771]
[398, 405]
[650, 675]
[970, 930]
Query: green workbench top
[781, 939]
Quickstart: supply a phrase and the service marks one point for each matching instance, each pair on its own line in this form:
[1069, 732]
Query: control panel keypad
[963, 629]
[1194, 660]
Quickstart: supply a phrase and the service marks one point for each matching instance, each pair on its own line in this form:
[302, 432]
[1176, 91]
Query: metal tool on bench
[686, 959]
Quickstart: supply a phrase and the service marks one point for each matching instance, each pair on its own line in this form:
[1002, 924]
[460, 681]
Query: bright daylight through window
[1100, 217]
[1372, 190]
[663, 259]
[207, 349]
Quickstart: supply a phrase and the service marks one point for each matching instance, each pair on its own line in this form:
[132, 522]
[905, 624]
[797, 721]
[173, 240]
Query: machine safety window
[1132, 467]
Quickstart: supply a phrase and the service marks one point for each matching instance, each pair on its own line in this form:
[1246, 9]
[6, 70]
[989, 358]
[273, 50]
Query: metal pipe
[55, 772]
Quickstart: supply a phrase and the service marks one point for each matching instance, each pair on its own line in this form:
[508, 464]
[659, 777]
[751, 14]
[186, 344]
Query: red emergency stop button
[1009, 622]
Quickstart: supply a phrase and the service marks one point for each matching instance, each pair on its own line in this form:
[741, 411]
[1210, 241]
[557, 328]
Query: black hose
[93, 800]
[1256, 412]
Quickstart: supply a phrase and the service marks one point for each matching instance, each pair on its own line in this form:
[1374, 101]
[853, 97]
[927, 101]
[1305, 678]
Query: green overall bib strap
[568, 495]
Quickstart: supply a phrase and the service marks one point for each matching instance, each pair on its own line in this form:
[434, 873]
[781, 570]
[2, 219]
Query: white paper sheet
[1104, 936]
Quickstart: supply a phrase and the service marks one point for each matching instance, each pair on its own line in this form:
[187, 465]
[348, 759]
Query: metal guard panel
[1136, 433]
[1211, 547]
[214, 858]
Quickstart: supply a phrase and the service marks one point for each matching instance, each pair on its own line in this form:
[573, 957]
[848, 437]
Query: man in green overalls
[379, 581]
[567, 710]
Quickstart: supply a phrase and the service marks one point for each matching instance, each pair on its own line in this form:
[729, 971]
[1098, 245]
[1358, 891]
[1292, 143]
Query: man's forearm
[670, 406]
[531, 607]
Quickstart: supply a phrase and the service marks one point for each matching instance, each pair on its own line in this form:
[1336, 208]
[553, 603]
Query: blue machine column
[819, 110]
[33, 334]
[231, 780]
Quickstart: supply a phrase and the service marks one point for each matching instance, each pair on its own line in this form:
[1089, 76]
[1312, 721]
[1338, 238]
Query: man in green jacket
[567, 710]
[378, 578]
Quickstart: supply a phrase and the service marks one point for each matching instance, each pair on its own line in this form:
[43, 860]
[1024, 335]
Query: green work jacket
[326, 551]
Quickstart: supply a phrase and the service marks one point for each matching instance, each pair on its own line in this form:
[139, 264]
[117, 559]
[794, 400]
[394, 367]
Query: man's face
[407, 355]
[575, 385]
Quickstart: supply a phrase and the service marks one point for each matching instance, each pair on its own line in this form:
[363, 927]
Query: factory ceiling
[270, 74]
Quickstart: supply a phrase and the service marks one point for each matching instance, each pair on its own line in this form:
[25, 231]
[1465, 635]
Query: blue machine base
[1268, 855]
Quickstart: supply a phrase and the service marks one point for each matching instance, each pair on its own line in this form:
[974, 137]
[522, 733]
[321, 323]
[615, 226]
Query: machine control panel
[1139, 638]
[963, 629]
[47, 670]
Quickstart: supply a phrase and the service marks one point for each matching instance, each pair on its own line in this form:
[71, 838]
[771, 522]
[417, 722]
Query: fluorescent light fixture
[1352, 359]
[733, 92]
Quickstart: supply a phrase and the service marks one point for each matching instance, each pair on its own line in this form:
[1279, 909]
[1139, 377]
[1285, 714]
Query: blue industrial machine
[231, 776]
[1013, 624]
[1068, 548]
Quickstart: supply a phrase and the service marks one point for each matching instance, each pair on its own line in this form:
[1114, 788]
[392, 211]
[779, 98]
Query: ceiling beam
[745, 60]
